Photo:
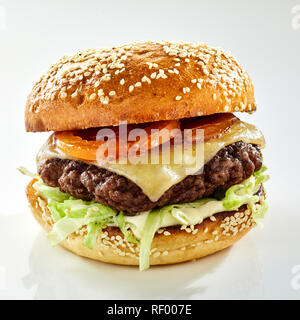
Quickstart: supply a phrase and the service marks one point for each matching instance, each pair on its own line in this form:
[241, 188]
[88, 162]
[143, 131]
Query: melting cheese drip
[156, 179]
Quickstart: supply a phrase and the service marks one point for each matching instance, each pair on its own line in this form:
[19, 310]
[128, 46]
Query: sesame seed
[138, 84]
[149, 64]
[167, 233]
[156, 254]
[122, 81]
[74, 95]
[131, 88]
[106, 77]
[112, 93]
[63, 95]
[153, 75]
[104, 100]
[146, 79]
[178, 98]
[93, 96]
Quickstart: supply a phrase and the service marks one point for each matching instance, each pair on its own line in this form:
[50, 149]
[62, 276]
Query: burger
[146, 163]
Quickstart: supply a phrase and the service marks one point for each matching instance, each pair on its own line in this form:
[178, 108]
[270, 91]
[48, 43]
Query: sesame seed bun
[137, 83]
[172, 245]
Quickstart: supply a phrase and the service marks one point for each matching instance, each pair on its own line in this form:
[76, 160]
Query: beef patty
[231, 165]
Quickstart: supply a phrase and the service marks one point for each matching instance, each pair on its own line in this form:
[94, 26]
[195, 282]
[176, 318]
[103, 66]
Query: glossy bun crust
[137, 83]
[173, 245]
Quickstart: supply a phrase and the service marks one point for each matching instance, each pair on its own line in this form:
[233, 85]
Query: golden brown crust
[172, 245]
[136, 83]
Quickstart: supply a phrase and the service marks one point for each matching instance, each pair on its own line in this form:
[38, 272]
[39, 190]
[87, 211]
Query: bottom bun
[170, 245]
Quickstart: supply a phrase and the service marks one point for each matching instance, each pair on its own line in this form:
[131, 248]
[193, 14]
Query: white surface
[264, 35]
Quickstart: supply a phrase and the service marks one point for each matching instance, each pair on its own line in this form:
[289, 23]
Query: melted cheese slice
[156, 179]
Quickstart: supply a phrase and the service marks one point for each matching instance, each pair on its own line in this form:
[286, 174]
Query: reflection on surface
[61, 274]
[252, 268]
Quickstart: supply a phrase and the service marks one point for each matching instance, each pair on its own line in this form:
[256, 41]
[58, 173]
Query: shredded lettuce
[179, 215]
[27, 172]
[51, 193]
[63, 228]
[235, 197]
[71, 214]
[93, 229]
[245, 193]
[122, 225]
[152, 223]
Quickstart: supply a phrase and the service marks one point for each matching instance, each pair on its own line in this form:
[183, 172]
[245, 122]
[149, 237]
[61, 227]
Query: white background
[263, 35]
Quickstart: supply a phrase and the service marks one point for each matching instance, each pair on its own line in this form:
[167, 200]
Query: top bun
[136, 83]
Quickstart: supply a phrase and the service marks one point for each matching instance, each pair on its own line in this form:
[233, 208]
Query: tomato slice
[156, 135]
[213, 126]
[75, 146]
[85, 144]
